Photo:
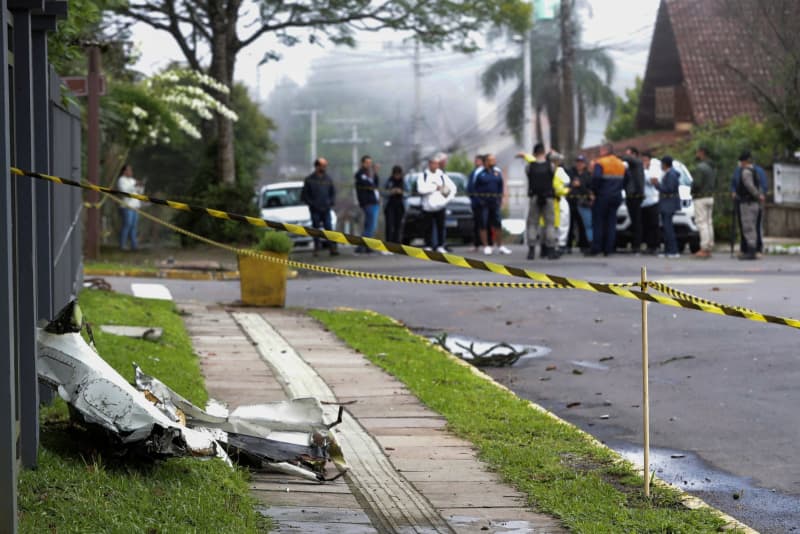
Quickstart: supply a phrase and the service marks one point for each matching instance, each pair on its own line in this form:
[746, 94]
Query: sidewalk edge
[690, 501]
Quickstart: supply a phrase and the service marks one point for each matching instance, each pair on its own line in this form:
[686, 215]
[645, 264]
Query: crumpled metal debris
[290, 436]
[98, 394]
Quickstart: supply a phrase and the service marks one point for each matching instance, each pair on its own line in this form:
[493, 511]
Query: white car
[281, 202]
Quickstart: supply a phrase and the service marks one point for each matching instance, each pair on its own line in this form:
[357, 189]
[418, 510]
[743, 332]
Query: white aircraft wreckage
[290, 436]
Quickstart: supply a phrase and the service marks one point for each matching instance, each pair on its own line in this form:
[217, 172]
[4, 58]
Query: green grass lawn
[119, 266]
[82, 485]
[562, 471]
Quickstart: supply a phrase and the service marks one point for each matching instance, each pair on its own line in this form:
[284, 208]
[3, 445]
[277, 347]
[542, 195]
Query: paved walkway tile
[441, 472]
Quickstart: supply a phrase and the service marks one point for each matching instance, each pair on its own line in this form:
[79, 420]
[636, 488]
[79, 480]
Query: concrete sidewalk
[409, 474]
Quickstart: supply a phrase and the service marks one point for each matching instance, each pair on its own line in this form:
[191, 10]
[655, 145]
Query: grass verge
[83, 486]
[562, 471]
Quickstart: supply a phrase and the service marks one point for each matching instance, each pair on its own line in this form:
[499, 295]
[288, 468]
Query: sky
[624, 26]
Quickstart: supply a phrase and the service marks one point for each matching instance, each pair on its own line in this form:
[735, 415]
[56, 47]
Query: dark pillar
[93, 151]
[8, 372]
[25, 218]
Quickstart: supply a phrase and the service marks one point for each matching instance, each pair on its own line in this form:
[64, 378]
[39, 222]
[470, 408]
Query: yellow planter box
[263, 283]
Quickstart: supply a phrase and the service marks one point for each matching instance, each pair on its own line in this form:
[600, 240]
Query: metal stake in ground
[645, 390]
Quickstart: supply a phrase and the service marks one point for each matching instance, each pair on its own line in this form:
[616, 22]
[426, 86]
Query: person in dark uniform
[320, 195]
[394, 209]
[634, 194]
[368, 193]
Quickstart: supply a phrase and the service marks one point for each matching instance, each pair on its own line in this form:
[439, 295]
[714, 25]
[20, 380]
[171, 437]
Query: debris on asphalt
[677, 359]
[604, 416]
[676, 456]
[486, 353]
[290, 437]
[606, 358]
[577, 372]
[573, 404]
[550, 368]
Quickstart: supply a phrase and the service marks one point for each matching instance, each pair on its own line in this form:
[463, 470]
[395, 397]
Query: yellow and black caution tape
[351, 273]
[418, 253]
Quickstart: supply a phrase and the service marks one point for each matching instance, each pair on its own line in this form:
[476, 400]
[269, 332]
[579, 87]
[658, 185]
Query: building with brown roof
[698, 48]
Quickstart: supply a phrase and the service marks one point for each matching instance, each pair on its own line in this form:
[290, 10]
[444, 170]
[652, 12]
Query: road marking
[705, 281]
[151, 291]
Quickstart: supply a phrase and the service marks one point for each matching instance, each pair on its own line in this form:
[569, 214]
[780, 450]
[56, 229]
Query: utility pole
[313, 114]
[566, 127]
[416, 126]
[354, 139]
[92, 246]
[527, 106]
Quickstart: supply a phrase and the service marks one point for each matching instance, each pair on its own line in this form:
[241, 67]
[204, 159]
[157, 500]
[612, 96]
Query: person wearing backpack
[541, 203]
[608, 176]
[436, 190]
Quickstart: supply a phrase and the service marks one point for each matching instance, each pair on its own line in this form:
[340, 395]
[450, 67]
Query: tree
[592, 70]
[223, 28]
[623, 121]
[769, 28]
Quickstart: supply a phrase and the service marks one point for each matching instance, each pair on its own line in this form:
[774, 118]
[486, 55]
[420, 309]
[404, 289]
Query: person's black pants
[393, 213]
[651, 227]
[577, 233]
[434, 228]
[320, 219]
[635, 213]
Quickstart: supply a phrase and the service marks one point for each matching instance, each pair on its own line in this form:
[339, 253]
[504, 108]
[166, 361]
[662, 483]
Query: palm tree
[593, 71]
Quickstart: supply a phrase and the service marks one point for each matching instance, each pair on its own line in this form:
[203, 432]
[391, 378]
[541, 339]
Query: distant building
[690, 77]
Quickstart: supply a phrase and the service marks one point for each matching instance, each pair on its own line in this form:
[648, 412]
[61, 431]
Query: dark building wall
[663, 71]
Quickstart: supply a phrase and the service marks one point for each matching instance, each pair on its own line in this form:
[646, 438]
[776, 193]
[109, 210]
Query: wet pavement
[766, 510]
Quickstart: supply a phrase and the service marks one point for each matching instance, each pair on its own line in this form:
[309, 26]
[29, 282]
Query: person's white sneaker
[487, 251]
[386, 253]
[504, 250]
[673, 256]
[441, 250]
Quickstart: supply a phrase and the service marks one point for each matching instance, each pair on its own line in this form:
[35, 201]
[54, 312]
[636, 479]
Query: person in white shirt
[128, 184]
[436, 190]
[651, 227]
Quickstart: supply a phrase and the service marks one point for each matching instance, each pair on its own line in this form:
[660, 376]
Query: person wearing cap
[761, 175]
[580, 203]
[634, 194]
[541, 203]
[750, 198]
[608, 176]
[669, 202]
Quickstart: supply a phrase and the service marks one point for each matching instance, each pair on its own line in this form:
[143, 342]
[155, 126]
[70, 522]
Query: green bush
[725, 144]
[274, 241]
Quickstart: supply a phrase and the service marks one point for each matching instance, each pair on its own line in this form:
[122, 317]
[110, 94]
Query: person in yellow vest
[608, 174]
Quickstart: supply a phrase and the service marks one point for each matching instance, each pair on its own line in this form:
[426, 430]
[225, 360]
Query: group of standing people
[579, 202]
[593, 192]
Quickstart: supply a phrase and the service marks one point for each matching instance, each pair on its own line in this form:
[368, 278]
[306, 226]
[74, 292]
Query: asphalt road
[723, 389]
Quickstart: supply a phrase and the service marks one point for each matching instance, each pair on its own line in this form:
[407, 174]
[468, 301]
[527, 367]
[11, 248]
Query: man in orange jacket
[608, 176]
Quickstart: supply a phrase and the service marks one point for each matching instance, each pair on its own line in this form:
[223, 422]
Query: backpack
[540, 179]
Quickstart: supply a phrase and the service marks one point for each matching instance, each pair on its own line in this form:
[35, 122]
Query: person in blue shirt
[668, 203]
[475, 202]
[369, 198]
[761, 174]
[489, 186]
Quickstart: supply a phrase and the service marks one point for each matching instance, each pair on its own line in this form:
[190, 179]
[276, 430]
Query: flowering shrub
[162, 106]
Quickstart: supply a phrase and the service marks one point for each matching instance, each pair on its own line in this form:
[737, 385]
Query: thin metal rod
[645, 389]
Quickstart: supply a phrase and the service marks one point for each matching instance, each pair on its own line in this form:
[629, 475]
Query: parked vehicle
[458, 213]
[281, 202]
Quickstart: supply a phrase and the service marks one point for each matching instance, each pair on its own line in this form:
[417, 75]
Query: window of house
[665, 104]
